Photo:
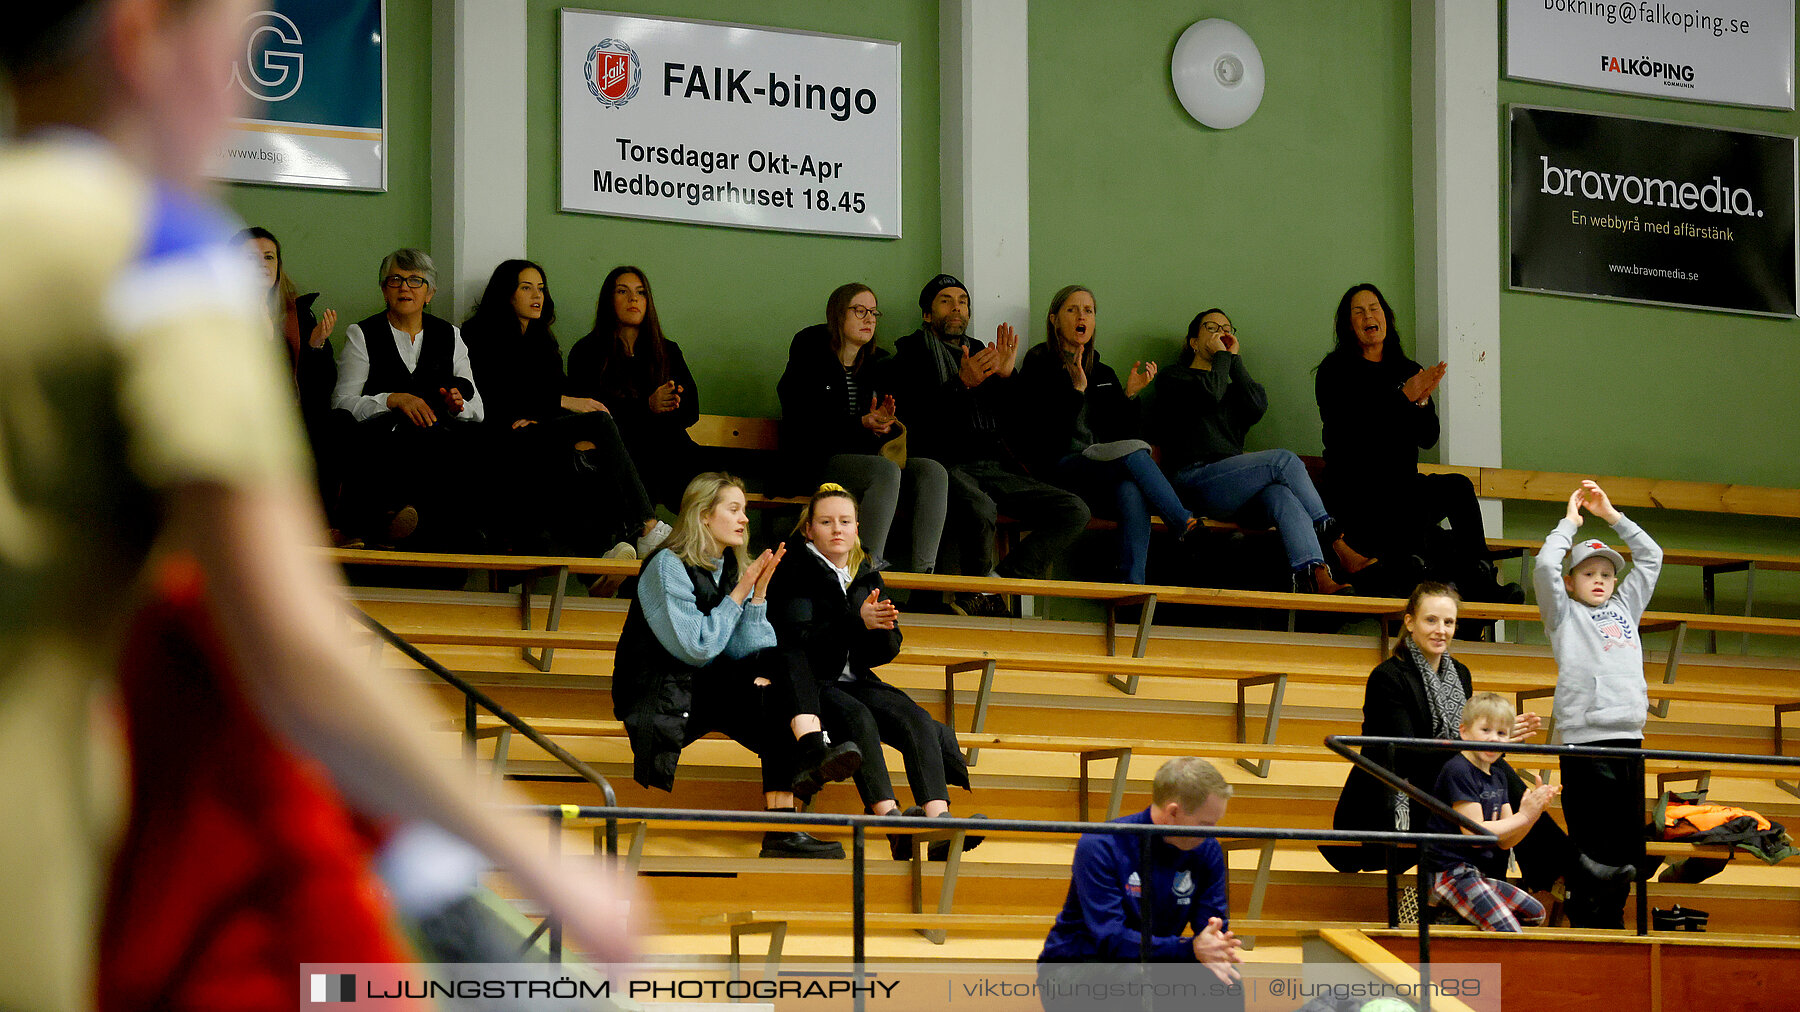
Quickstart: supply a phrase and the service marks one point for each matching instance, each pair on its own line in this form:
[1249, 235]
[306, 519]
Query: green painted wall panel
[1272, 220]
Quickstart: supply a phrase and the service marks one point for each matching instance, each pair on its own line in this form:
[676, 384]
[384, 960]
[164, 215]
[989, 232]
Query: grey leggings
[879, 485]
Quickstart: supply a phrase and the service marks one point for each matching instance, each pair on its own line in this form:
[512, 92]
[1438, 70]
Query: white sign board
[722, 124]
[1735, 52]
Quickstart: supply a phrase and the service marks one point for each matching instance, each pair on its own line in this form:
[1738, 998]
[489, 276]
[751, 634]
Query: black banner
[1611, 207]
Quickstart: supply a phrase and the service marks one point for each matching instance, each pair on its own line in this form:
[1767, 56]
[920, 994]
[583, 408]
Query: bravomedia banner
[1614, 207]
[1737, 52]
[724, 124]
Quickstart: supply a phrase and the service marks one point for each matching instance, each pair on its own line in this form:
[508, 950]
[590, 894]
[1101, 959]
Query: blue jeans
[1130, 485]
[1276, 482]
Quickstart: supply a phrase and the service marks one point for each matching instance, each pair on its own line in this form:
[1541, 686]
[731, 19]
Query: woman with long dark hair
[1204, 408]
[626, 364]
[1376, 408]
[836, 426]
[1082, 428]
[541, 433]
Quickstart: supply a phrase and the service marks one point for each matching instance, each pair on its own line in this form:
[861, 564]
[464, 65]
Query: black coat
[816, 420]
[1050, 431]
[947, 421]
[1394, 706]
[811, 613]
[624, 385]
[315, 370]
[1372, 433]
[521, 374]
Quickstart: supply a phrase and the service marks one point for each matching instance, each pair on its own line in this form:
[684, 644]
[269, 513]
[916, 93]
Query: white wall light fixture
[1218, 73]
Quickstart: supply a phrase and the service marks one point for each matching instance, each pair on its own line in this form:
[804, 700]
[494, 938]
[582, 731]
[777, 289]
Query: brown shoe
[1353, 561]
[1319, 581]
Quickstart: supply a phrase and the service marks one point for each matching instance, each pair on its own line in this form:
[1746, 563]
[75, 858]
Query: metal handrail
[474, 697]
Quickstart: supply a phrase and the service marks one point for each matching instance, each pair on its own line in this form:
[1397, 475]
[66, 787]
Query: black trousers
[606, 485]
[1398, 519]
[727, 699]
[979, 492]
[1103, 987]
[871, 712]
[393, 463]
[1603, 801]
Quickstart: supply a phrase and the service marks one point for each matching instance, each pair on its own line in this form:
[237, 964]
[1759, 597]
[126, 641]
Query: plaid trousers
[1490, 904]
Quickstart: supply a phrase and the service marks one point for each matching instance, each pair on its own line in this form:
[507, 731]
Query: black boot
[798, 844]
[822, 763]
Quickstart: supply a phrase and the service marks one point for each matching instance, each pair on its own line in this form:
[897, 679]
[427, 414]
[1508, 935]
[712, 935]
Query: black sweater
[624, 385]
[816, 419]
[1062, 419]
[1202, 415]
[1372, 432]
[521, 374]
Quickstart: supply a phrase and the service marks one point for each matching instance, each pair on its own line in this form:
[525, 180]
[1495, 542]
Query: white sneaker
[622, 550]
[653, 540]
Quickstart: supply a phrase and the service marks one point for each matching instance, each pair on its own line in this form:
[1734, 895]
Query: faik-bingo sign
[723, 124]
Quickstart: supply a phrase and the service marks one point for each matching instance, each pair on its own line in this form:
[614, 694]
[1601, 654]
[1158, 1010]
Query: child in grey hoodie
[1591, 616]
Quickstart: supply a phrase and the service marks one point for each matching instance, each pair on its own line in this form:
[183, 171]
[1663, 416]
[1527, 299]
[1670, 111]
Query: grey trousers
[918, 492]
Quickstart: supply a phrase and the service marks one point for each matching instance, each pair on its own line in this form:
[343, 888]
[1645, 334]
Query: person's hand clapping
[1526, 726]
[665, 398]
[1573, 513]
[453, 399]
[1217, 949]
[1538, 796]
[973, 369]
[1597, 502]
[879, 614]
[1139, 377]
[321, 331]
[1424, 383]
[1005, 348]
[1077, 375]
[881, 416]
[770, 560]
[747, 580]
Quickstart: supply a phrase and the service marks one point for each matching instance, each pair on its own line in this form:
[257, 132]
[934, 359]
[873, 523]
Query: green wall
[332, 242]
[733, 298]
[1272, 220]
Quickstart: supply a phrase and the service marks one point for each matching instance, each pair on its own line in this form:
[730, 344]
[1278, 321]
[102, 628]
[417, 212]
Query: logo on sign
[614, 72]
[273, 64]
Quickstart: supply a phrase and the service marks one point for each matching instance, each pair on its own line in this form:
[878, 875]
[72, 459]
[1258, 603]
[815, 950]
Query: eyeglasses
[1217, 328]
[865, 313]
[396, 280]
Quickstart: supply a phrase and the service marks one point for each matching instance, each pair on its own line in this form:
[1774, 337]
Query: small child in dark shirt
[1473, 880]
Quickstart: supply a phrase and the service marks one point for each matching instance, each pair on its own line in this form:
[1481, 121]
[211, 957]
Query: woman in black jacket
[829, 603]
[628, 367]
[1419, 692]
[1376, 408]
[1204, 408]
[1082, 430]
[541, 438]
[836, 426]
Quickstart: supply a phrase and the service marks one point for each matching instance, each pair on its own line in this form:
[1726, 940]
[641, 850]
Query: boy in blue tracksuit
[1591, 616]
[1096, 940]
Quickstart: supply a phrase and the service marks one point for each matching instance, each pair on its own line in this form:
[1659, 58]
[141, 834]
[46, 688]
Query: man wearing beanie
[955, 394]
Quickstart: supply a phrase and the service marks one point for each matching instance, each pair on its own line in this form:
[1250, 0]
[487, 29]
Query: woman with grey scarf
[1419, 693]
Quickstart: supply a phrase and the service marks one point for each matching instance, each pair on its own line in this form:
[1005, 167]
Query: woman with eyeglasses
[544, 435]
[836, 426]
[633, 372]
[1205, 406]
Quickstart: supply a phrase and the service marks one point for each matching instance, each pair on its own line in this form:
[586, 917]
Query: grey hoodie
[1600, 688]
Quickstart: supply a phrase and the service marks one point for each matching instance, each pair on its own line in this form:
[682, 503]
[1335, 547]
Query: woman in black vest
[1419, 692]
[416, 423]
[628, 366]
[1081, 432]
[546, 439]
[836, 426]
[829, 602]
[697, 657]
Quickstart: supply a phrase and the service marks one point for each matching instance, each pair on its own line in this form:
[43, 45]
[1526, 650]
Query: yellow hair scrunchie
[831, 486]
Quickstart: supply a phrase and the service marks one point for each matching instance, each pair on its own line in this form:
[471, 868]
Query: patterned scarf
[1442, 691]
